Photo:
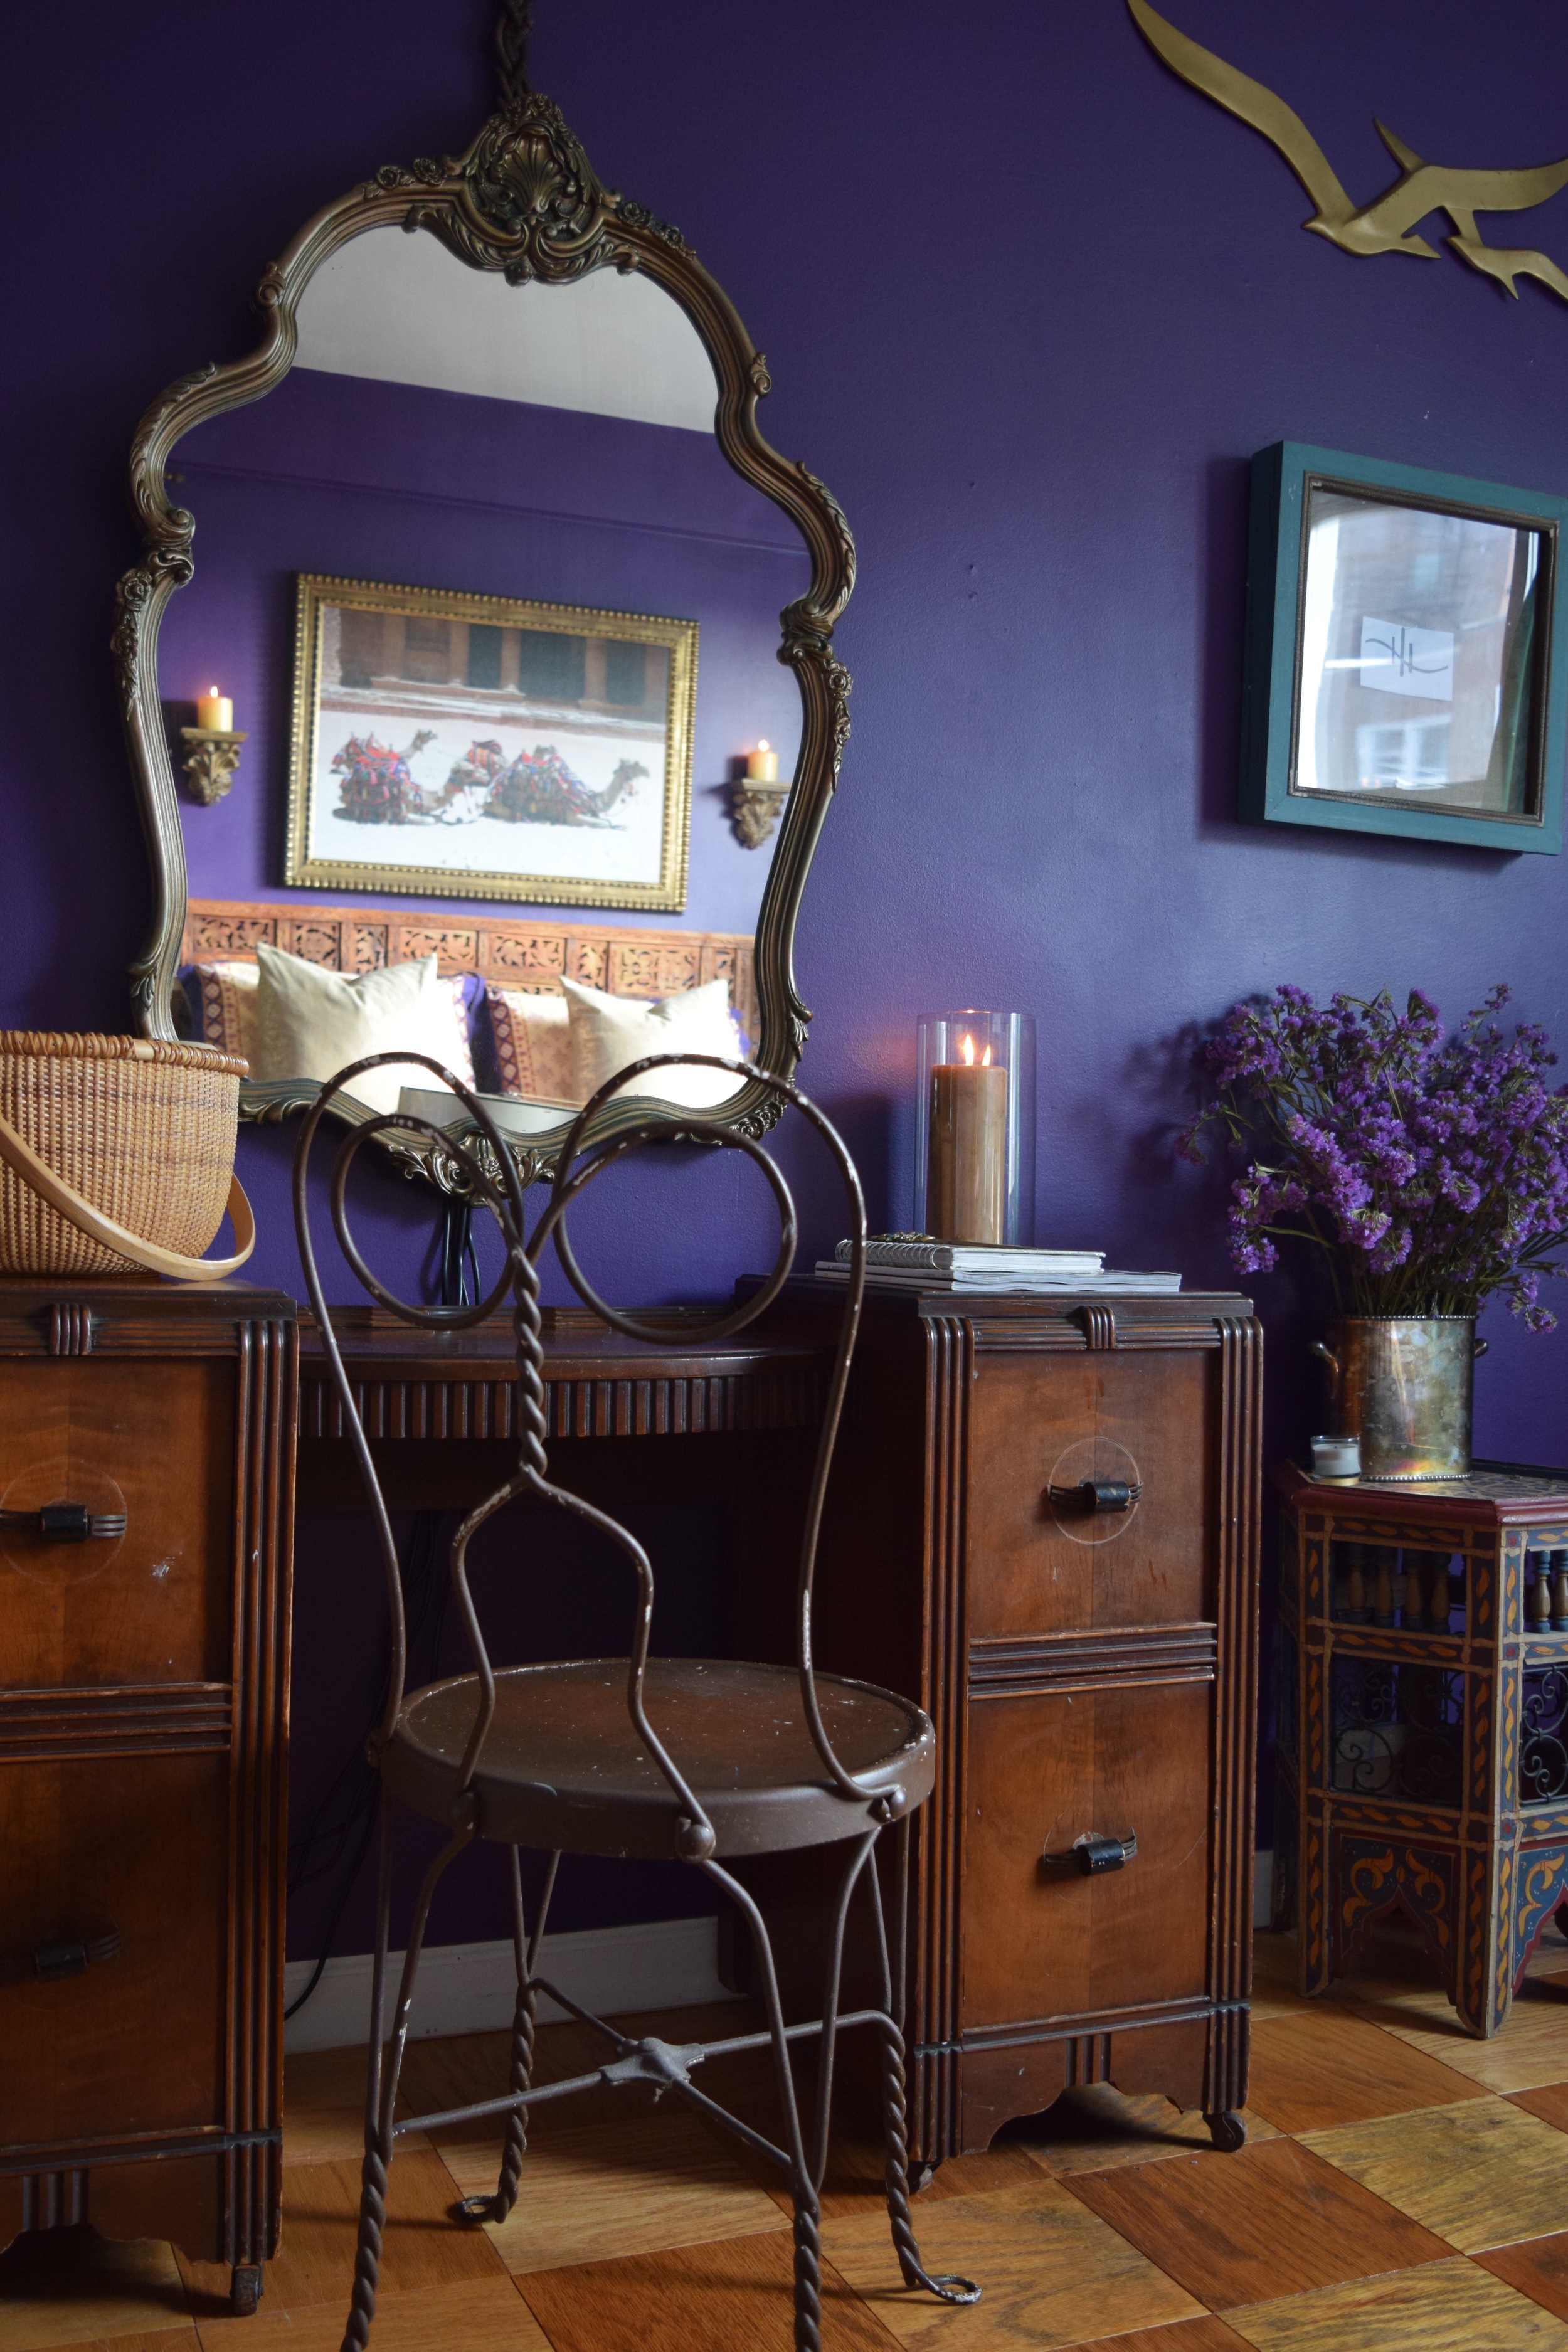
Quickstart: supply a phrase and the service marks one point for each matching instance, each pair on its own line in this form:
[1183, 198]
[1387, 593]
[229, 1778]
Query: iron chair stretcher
[747, 1759]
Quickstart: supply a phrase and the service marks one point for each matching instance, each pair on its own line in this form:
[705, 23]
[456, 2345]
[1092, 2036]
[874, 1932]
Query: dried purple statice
[1430, 1171]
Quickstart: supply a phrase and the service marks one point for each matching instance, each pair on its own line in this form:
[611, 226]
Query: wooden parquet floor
[1403, 2188]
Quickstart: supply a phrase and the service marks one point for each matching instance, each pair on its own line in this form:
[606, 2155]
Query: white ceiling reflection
[610, 345]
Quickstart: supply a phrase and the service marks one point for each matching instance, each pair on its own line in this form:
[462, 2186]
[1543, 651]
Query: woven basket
[116, 1155]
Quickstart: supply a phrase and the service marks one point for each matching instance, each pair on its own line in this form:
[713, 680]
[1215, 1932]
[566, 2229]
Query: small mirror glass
[1420, 655]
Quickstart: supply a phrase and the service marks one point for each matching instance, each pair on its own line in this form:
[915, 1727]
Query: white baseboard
[470, 1987]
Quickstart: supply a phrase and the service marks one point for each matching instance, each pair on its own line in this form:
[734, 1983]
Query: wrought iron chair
[704, 1760]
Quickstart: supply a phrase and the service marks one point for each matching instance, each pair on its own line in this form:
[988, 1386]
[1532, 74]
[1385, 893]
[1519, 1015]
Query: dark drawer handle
[1089, 1856]
[58, 1956]
[68, 1522]
[1096, 1494]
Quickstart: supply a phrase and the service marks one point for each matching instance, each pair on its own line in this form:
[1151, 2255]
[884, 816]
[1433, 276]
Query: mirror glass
[499, 627]
[1420, 654]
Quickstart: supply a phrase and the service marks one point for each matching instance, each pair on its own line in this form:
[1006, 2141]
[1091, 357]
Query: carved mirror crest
[590, 327]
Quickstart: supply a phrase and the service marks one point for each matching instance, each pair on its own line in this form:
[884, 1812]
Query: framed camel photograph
[477, 747]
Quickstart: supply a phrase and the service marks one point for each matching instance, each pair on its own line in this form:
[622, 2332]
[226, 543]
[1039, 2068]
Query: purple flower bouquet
[1431, 1172]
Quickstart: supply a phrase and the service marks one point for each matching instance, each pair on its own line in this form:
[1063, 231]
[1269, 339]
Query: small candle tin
[1336, 1457]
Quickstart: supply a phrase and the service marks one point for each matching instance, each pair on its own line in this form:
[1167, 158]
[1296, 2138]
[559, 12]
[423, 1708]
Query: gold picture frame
[494, 745]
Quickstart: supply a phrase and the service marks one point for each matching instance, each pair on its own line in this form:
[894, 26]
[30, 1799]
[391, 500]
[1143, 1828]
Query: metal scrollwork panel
[1398, 1730]
[1543, 1743]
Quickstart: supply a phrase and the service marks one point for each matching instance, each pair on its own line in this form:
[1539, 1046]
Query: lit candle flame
[986, 1059]
[969, 1051]
[763, 743]
[212, 691]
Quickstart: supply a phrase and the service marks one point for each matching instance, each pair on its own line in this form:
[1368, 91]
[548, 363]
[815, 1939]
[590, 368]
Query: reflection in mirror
[514, 714]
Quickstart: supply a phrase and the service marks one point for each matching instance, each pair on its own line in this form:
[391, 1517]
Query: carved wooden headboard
[512, 951]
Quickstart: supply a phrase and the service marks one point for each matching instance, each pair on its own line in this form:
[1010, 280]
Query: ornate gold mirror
[485, 550]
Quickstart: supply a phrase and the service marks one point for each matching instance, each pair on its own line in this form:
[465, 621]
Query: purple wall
[441, 490]
[1030, 304]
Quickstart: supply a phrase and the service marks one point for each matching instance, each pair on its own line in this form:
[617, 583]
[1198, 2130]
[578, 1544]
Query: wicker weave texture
[144, 1131]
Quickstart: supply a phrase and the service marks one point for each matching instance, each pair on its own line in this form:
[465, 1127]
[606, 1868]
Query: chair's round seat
[561, 1766]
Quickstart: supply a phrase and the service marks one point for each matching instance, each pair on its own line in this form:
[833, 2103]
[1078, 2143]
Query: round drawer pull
[1096, 1494]
[1089, 1856]
[55, 1957]
[68, 1523]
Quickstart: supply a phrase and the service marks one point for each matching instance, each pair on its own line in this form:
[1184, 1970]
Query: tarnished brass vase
[1403, 1385]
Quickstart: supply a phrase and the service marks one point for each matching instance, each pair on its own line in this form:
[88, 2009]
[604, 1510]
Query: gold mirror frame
[525, 202]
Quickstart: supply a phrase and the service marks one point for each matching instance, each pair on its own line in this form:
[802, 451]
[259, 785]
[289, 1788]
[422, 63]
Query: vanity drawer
[1146, 1419]
[1041, 1772]
[139, 1845]
[154, 1441]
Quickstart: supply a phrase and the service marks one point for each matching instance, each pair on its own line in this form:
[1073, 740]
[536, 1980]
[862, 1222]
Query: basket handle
[24, 1161]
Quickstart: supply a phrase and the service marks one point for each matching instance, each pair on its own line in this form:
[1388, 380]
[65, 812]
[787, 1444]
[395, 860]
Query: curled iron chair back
[494, 1180]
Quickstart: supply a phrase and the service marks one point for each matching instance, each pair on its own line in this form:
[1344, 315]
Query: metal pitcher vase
[1403, 1385]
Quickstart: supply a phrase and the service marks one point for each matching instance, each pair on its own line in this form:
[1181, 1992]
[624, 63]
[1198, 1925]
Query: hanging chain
[513, 25]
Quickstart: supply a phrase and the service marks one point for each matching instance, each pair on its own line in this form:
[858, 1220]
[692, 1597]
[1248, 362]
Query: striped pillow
[533, 1045]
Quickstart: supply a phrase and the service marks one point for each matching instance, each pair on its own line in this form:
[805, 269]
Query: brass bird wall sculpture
[1386, 225]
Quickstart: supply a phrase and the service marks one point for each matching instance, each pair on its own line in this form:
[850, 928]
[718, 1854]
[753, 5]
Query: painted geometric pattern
[1372, 1877]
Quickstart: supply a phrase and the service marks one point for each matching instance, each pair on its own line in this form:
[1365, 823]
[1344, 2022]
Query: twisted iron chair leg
[896, 2176]
[514, 2147]
[803, 2187]
[895, 2109]
[385, 2066]
[807, 2277]
[373, 2173]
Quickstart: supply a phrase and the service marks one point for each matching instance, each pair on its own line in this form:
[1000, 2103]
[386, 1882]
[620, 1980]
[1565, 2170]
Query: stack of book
[911, 1263]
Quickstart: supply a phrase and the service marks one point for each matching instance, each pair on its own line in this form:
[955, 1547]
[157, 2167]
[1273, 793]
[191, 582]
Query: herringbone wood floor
[1404, 2188]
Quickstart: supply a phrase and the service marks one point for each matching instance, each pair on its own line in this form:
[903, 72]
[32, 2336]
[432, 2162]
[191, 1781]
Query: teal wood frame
[1275, 581]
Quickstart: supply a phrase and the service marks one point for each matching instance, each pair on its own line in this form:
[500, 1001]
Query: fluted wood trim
[937, 1873]
[1121, 1655]
[258, 1787]
[1240, 1481]
[146, 1719]
[456, 1408]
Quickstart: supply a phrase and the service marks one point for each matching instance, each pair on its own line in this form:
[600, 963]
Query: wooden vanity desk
[1091, 1672]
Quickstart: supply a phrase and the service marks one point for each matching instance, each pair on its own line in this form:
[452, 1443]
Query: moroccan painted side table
[1423, 1721]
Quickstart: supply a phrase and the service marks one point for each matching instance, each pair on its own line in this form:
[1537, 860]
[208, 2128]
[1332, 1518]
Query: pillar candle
[966, 1168]
[763, 765]
[215, 711]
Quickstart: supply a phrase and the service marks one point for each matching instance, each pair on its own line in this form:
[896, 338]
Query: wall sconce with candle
[757, 798]
[213, 752]
[974, 1127]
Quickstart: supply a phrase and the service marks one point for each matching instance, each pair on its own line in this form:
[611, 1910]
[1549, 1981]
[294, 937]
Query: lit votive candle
[214, 712]
[966, 1168]
[762, 764]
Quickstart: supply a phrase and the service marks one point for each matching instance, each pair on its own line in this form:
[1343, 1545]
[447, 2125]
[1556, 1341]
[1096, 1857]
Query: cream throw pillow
[311, 1023]
[609, 1032]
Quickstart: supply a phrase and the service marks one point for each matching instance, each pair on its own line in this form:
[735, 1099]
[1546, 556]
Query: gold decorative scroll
[1386, 225]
